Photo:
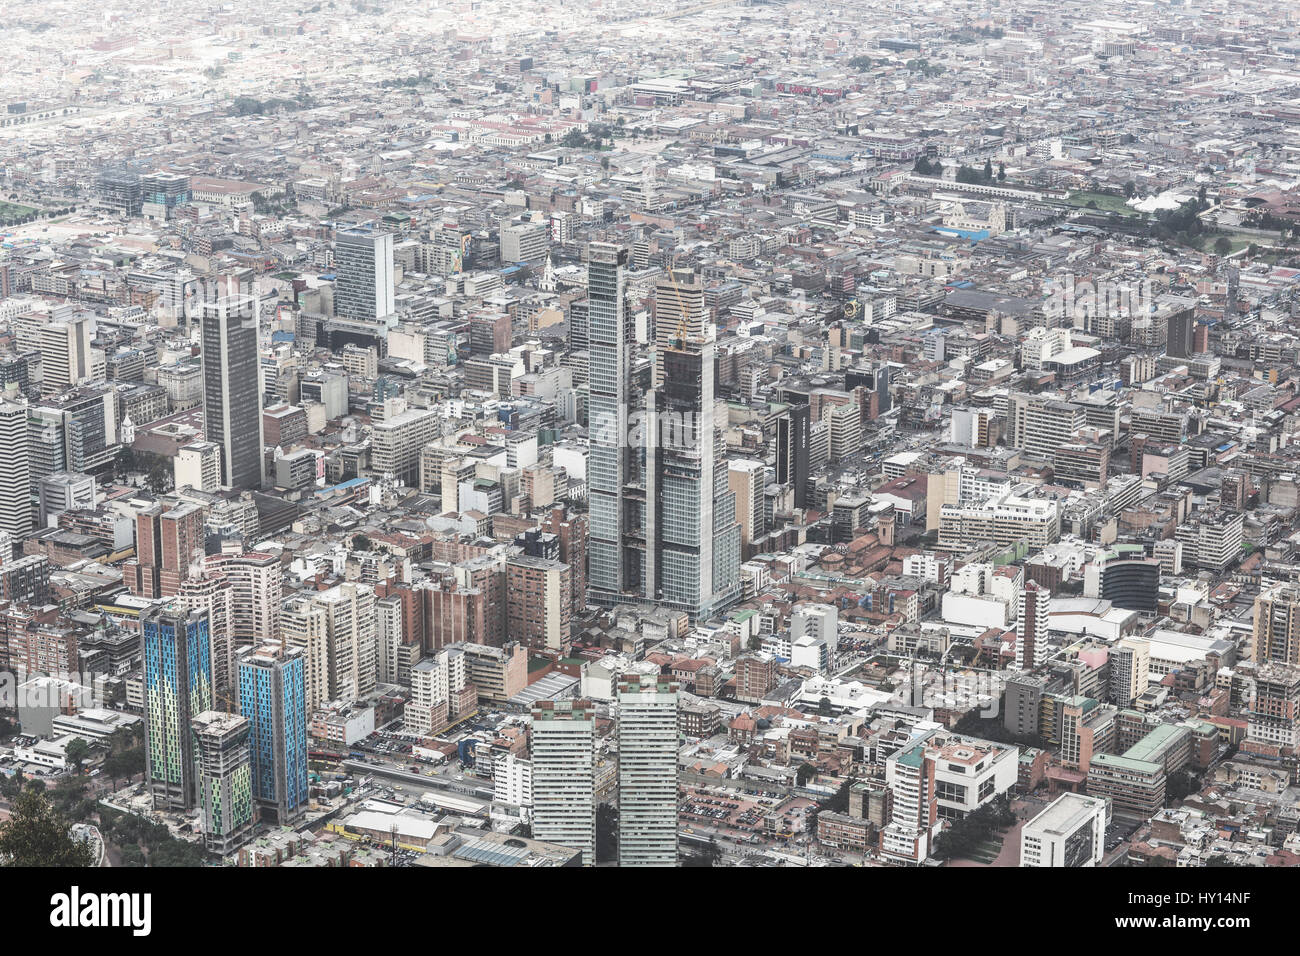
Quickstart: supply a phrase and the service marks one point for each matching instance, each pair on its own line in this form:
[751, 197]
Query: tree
[708, 856]
[922, 167]
[132, 855]
[35, 835]
[160, 479]
[11, 786]
[174, 852]
[805, 773]
[124, 764]
[1181, 785]
[1130, 189]
[988, 169]
[246, 105]
[839, 801]
[78, 750]
[1002, 172]
[1222, 246]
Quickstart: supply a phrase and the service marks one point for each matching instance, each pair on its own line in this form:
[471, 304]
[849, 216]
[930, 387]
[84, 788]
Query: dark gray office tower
[663, 523]
[792, 441]
[578, 339]
[884, 401]
[232, 391]
[1181, 331]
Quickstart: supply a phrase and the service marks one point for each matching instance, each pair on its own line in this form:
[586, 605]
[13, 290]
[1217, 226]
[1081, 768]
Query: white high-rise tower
[647, 771]
[564, 795]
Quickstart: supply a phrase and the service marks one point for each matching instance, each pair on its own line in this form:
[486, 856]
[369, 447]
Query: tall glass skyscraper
[177, 687]
[663, 523]
[692, 550]
[610, 343]
[232, 388]
[273, 697]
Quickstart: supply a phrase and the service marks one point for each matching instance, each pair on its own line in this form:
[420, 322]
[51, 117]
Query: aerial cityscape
[691, 433]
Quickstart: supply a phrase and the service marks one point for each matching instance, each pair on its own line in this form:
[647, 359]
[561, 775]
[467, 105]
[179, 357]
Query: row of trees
[252, 106]
[18, 219]
[965, 174]
[924, 67]
[406, 81]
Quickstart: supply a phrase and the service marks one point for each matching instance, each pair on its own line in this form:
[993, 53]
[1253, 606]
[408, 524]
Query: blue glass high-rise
[177, 656]
[273, 697]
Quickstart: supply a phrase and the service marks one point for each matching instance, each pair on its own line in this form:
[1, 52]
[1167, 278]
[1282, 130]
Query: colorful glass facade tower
[177, 687]
[273, 697]
[225, 783]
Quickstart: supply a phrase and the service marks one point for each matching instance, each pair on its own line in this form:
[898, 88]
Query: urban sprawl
[669, 434]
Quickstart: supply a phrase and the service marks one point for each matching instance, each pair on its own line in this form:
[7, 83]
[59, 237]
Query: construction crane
[679, 337]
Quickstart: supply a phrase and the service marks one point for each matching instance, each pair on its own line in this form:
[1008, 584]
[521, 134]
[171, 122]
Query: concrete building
[256, 583]
[1032, 649]
[539, 601]
[396, 442]
[15, 481]
[232, 388]
[563, 756]
[747, 480]
[225, 798]
[647, 771]
[1276, 625]
[363, 262]
[1130, 663]
[1069, 832]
